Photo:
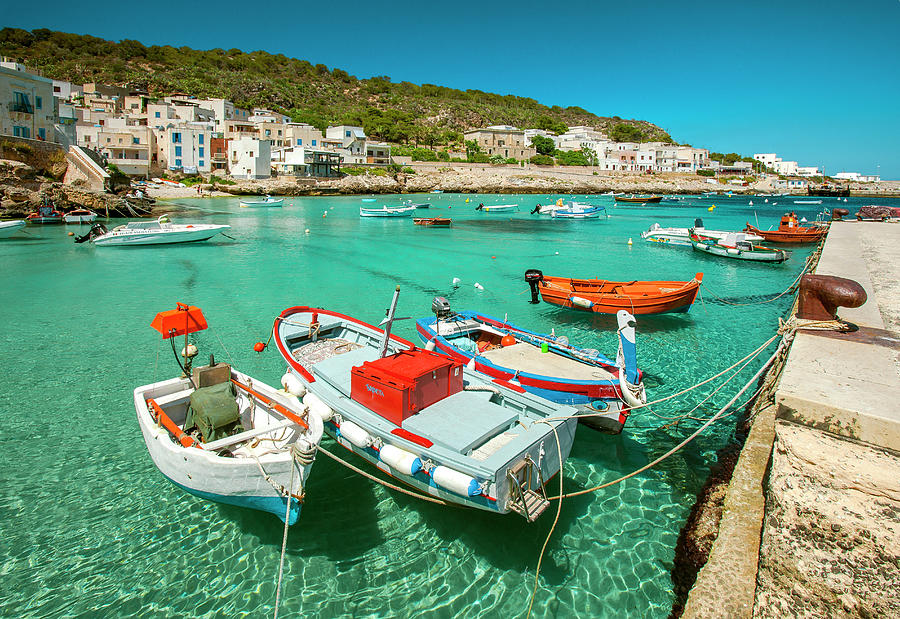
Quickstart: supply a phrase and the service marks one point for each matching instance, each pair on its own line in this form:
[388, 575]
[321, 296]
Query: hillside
[397, 112]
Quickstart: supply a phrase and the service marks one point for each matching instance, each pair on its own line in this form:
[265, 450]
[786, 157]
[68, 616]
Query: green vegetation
[215, 180]
[359, 171]
[117, 178]
[542, 160]
[730, 158]
[544, 146]
[706, 172]
[571, 157]
[403, 113]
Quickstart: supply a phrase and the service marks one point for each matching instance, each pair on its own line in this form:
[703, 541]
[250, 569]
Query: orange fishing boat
[789, 231]
[440, 222]
[606, 297]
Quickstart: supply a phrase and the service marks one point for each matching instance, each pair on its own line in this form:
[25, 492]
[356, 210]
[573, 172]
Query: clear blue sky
[816, 82]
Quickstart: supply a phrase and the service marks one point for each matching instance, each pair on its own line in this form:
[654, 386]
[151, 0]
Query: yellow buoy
[467, 199]
[712, 208]
[629, 241]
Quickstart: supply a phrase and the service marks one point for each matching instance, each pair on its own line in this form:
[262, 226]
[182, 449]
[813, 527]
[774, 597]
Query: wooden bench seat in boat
[527, 358]
[460, 422]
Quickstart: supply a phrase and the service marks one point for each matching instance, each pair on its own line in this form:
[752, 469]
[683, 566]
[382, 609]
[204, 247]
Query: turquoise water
[91, 528]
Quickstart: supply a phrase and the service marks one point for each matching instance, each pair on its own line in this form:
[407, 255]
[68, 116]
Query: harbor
[612, 546]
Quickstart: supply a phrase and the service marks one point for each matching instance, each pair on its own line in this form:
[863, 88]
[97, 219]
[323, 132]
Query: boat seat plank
[336, 370]
[461, 421]
[243, 436]
[527, 358]
[179, 397]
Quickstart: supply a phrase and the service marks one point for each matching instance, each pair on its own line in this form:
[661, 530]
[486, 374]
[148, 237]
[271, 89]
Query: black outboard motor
[533, 276]
[97, 229]
[698, 223]
[536, 209]
[480, 206]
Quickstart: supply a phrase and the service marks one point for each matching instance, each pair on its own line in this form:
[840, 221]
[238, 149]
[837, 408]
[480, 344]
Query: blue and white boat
[226, 437]
[388, 211]
[423, 419]
[576, 210]
[545, 365]
[267, 201]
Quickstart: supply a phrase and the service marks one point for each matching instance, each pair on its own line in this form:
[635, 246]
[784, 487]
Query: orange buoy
[493, 257]
[259, 347]
[507, 340]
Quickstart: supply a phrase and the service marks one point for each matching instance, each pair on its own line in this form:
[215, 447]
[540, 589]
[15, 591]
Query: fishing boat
[223, 436]
[576, 210]
[438, 222]
[608, 297]
[9, 228]
[436, 191]
[80, 216]
[682, 236]
[420, 205]
[387, 211]
[45, 214]
[790, 231]
[737, 247]
[829, 191]
[267, 201]
[639, 199]
[368, 199]
[422, 418]
[497, 208]
[159, 232]
[544, 365]
[807, 202]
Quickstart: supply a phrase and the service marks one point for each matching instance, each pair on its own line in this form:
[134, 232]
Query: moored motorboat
[267, 201]
[608, 297]
[497, 208]
[639, 199]
[545, 365]
[80, 216]
[45, 214]
[736, 246]
[682, 236]
[159, 232]
[9, 228]
[439, 222]
[790, 231]
[387, 211]
[576, 210]
[223, 436]
[422, 418]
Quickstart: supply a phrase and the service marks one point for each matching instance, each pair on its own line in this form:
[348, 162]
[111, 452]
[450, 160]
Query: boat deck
[527, 358]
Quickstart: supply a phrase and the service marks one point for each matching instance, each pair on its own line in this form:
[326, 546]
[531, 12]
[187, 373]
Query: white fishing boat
[737, 247]
[267, 201]
[497, 208]
[224, 436]
[80, 216]
[576, 210]
[388, 211]
[422, 417]
[161, 231]
[682, 236]
[9, 228]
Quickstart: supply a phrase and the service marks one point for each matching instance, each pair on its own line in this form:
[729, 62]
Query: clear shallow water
[90, 526]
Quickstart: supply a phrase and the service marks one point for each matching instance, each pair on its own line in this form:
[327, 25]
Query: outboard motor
[536, 209]
[440, 307]
[698, 223]
[533, 276]
[480, 206]
[96, 230]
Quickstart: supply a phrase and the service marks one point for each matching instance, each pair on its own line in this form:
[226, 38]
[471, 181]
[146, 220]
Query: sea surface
[91, 528]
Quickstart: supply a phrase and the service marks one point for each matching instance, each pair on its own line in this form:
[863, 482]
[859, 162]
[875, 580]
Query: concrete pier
[825, 462]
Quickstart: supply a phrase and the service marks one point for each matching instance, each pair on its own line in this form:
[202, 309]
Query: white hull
[682, 236]
[405, 211]
[259, 203]
[8, 228]
[80, 219]
[500, 208]
[234, 480]
[200, 232]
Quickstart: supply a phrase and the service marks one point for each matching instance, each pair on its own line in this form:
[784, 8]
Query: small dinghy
[80, 216]
[224, 436]
[9, 228]
[737, 247]
[607, 297]
[388, 211]
[497, 208]
[267, 201]
[423, 418]
[682, 236]
[438, 222]
[790, 231]
[544, 365]
[639, 199]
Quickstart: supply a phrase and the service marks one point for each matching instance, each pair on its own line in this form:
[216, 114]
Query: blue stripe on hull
[271, 504]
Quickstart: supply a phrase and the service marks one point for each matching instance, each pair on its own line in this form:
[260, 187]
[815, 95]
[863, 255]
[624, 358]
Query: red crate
[400, 385]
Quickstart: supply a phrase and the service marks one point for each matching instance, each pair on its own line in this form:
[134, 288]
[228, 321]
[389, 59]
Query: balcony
[23, 107]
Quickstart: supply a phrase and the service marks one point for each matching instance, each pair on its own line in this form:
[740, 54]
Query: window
[299, 142]
[157, 114]
[313, 142]
[176, 138]
[135, 140]
[42, 133]
[21, 132]
[201, 153]
[178, 151]
[201, 163]
[268, 132]
[279, 133]
[37, 102]
[178, 163]
[347, 134]
[200, 140]
[108, 140]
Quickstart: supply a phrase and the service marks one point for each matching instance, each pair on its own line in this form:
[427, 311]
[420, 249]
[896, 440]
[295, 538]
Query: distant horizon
[694, 72]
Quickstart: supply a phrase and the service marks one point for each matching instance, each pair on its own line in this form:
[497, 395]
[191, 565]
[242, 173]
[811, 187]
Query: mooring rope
[555, 519]
[284, 539]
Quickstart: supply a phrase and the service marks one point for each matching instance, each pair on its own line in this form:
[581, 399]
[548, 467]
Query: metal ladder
[523, 499]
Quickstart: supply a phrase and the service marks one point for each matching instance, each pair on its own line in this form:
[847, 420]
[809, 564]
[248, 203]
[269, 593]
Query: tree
[543, 145]
[542, 160]
[623, 132]
[472, 149]
[590, 156]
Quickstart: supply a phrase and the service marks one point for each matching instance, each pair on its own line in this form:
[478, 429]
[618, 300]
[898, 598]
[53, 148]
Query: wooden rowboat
[607, 297]
[440, 222]
[789, 232]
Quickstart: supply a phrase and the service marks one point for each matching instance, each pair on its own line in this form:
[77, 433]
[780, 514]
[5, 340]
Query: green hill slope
[396, 112]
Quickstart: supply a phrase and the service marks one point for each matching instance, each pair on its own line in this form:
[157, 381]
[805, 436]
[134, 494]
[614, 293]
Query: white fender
[581, 302]
[400, 459]
[457, 482]
[355, 434]
[430, 345]
[293, 385]
[317, 407]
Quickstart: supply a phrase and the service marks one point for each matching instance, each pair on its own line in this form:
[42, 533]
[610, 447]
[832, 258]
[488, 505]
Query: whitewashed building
[250, 158]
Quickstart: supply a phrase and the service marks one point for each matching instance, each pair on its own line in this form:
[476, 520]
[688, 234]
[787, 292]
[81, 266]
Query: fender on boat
[317, 407]
[355, 434]
[581, 302]
[457, 482]
[399, 459]
[293, 385]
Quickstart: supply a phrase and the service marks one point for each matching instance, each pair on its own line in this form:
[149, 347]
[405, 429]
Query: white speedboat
[497, 208]
[267, 201]
[224, 436]
[80, 216]
[161, 231]
[578, 210]
[388, 211]
[682, 236]
[9, 228]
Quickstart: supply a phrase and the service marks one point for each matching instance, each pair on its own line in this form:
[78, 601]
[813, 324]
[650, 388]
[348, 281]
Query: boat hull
[261, 203]
[8, 228]
[766, 255]
[158, 238]
[600, 296]
[80, 219]
[682, 236]
[795, 236]
[387, 212]
[638, 200]
[437, 222]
